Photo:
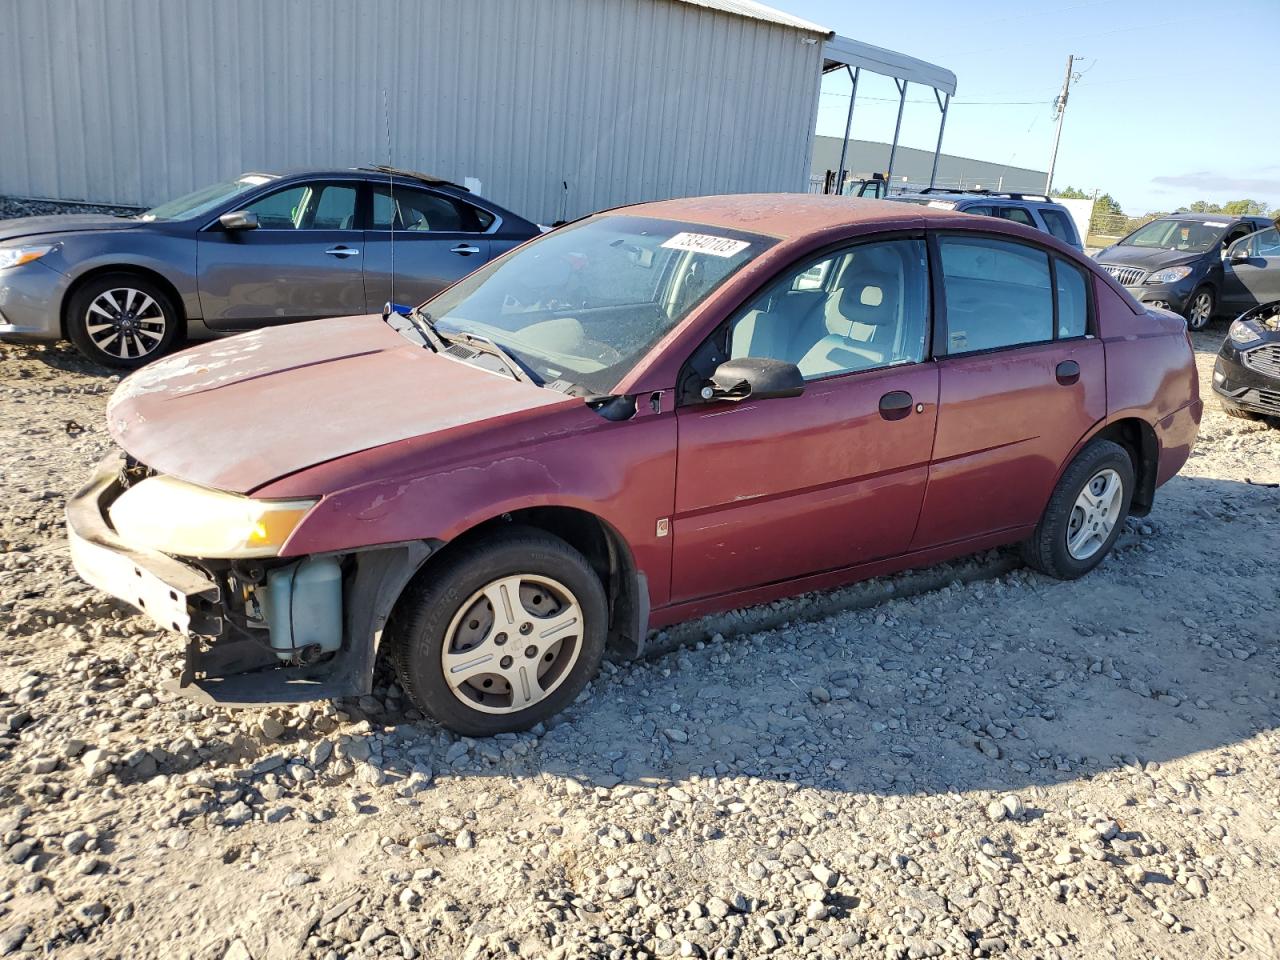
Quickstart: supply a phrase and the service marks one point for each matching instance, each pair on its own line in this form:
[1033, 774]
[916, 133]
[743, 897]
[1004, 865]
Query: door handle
[1067, 372]
[342, 251]
[895, 404]
[465, 249]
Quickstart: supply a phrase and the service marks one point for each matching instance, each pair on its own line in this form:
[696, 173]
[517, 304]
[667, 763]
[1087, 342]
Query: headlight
[1168, 275]
[17, 256]
[1242, 332]
[172, 516]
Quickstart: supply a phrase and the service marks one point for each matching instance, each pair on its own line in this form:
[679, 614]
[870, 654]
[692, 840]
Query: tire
[1239, 414]
[449, 610]
[122, 320]
[1048, 549]
[1200, 307]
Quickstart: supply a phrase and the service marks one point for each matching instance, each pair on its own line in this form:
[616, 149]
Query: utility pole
[1060, 109]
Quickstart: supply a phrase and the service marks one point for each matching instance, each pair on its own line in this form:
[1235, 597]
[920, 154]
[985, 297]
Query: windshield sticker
[706, 243]
[1213, 223]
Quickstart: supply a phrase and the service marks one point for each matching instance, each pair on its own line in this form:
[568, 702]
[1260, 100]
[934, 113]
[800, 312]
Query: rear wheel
[1085, 513]
[1199, 309]
[503, 634]
[122, 320]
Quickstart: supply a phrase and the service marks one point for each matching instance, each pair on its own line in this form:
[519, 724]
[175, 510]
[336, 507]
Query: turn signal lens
[17, 256]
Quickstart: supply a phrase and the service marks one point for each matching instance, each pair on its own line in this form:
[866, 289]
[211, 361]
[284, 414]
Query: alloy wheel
[125, 323]
[1201, 307]
[1094, 514]
[512, 643]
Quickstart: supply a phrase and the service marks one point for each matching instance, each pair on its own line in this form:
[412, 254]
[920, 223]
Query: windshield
[584, 303]
[1191, 236]
[205, 199]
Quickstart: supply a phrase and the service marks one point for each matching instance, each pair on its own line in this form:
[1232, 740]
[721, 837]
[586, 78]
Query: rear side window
[1017, 215]
[424, 212]
[1073, 299]
[1059, 225]
[998, 293]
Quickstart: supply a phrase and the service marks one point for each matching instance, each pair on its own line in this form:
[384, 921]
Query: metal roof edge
[839, 51]
[758, 11]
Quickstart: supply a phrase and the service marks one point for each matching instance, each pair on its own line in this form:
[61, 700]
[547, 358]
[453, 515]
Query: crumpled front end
[258, 628]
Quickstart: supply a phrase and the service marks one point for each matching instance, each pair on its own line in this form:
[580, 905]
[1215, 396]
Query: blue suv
[1030, 209]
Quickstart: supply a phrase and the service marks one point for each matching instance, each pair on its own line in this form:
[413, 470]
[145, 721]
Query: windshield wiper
[485, 345]
[425, 324]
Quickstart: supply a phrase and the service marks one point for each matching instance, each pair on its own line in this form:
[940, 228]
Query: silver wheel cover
[1094, 514]
[125, 323]
[512, 643]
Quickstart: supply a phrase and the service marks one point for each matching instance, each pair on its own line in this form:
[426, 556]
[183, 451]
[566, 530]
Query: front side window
[425, 212]
[308, 206]
[859, 309]
[586, 302]
[1059, 224]
[998, 293]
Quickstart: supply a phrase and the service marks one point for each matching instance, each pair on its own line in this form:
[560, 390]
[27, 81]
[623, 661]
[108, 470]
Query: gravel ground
[21, 207]
[1009, 767]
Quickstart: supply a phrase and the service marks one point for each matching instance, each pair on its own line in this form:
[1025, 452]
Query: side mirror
[239, 220]
[757, 378]
[1239, 253]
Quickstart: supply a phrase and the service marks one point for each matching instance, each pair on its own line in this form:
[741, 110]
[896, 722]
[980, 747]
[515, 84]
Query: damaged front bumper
[231, 658]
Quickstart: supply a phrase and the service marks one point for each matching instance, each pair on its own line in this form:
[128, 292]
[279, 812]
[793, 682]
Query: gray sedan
[257, 250]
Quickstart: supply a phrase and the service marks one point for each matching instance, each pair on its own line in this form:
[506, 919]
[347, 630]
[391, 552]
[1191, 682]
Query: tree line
[1109, 219]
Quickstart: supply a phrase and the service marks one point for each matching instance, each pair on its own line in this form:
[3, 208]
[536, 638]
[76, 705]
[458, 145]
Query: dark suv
[1029, 209]
[1175, 262]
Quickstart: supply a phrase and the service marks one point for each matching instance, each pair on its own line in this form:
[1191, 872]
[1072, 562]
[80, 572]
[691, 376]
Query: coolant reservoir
[302, 605]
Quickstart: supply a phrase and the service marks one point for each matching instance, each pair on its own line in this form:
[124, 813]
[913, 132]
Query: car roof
[1216, 217]
[294, 173]
[788, 216]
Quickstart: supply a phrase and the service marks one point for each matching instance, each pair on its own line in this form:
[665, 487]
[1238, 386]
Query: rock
[820, 695]
[678, 795]
[13, 938]
[271, 728]
[816, 910]
[74, 841]
[298, 878]
[457, 750]
[824, 875]
[237, 951]
[1013, 806]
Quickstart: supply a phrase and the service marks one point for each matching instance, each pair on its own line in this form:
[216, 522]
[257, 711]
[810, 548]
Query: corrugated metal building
[137, 101]
[914, 167]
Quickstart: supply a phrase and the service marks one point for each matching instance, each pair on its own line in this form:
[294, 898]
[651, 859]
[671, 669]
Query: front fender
[620, 472]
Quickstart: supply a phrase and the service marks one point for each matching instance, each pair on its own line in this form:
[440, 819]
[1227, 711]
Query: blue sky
[1177, 100]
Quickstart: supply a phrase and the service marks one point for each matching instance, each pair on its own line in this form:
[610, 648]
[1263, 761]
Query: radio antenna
[391, 185]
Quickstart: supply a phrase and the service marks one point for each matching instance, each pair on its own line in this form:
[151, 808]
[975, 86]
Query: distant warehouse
[558, 107]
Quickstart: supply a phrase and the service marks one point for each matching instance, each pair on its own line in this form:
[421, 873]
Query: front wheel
[1085, 513]
[502, 635]
[122, 320]
[1199, 309]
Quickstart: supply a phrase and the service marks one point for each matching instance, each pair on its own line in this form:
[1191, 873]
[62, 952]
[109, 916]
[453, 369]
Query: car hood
[1149, 257]
[63, 223]
[238, 413]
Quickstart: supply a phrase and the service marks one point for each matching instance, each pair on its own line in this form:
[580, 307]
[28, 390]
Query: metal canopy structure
[855, 56]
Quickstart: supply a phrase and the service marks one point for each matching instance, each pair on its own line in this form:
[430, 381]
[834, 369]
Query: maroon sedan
[647, 415]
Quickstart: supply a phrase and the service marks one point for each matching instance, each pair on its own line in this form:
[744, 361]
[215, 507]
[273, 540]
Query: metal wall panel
[137, 101]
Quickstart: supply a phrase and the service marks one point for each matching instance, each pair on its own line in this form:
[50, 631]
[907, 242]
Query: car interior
[861, 309]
